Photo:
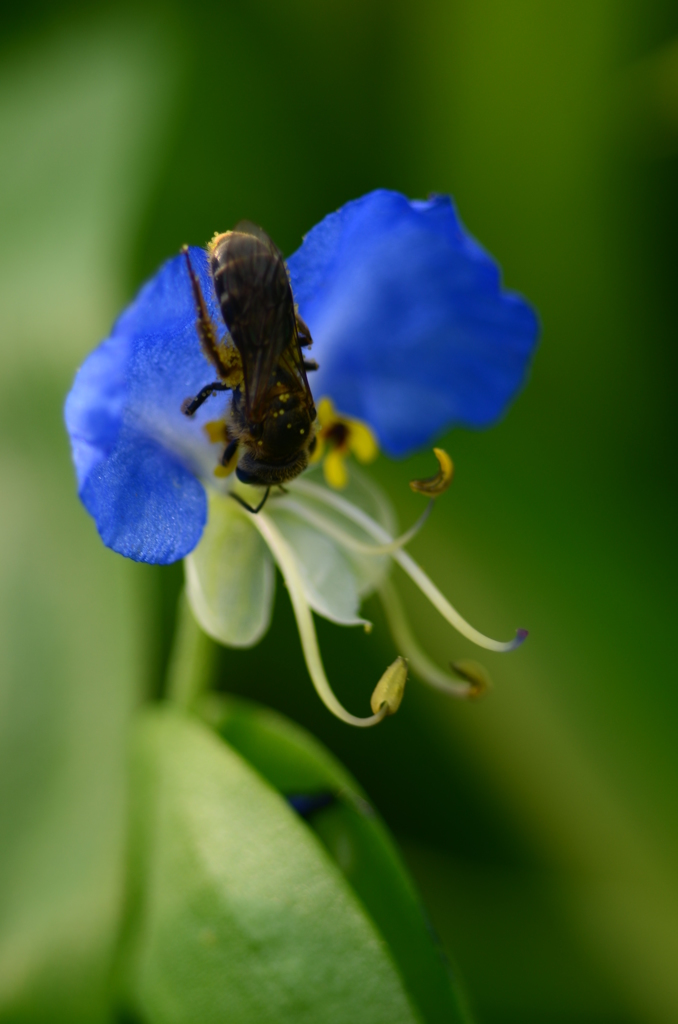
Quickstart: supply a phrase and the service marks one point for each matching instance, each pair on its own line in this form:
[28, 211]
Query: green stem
[191, 662]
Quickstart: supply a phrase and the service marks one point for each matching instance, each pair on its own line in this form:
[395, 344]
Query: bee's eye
[313, 445]
[245, 477]
[313, 413]
[256, 430]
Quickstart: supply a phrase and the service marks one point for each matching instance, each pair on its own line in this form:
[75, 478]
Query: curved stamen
[309, 641]
[346, 539]
[420, 662]
[438, 484]
[417, 575]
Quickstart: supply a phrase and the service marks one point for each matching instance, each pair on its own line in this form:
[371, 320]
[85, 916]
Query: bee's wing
[265, 326]
[291, 363]
[246, 227]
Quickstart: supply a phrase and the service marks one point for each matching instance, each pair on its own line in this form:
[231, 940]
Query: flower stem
[192, 659]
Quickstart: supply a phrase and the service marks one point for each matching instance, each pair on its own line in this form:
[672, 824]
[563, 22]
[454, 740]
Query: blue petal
[95, 406]
[412, 330]
[146, 504]
[137, 456]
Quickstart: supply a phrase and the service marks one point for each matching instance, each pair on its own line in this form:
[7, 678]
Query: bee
[270, 424]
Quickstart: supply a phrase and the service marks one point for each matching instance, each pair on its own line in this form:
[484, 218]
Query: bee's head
[262, 473]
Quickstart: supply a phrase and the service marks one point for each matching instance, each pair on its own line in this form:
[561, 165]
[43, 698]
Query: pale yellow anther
[432, 486]
[388, 693]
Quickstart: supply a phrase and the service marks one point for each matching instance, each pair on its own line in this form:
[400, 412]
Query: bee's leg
[310, 364]
[229, 451]
[305, 339]
[206, 329]
[191, 405]
[283, 490]
[249, 507]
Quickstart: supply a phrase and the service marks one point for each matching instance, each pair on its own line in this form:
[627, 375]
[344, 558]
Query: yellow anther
[389, 690]
[326, 413]
[362, 442]
[432, 486]
[216, 431]
[334, 469]
[341, 436]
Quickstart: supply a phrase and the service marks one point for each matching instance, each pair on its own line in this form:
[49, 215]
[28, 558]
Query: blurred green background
[541, 824]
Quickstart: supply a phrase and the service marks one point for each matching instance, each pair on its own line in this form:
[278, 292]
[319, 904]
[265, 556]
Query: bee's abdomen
[249, 277]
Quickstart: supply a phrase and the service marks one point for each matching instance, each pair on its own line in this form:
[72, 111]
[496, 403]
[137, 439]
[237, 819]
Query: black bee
[270, 422]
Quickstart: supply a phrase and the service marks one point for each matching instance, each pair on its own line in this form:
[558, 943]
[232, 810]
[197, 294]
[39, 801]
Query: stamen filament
[346, 539]
[309, 641]
[417, 575]
[420, 662]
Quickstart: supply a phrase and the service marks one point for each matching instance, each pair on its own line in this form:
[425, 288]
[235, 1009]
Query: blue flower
[413, 334]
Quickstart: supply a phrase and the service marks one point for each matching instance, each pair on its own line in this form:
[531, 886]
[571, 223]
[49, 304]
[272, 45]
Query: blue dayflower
[413, 333]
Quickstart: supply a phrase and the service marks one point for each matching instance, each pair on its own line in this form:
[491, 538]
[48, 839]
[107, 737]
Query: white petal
[328, 576]
[368, 571]
[362, 491]
[230, 576]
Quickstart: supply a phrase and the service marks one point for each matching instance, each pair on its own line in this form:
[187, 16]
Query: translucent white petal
[329, 578]
[362, 491]
[368, 571]
[230, 576]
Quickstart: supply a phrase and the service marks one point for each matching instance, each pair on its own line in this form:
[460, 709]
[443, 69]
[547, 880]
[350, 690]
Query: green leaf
[296, 764]
[241, 916]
